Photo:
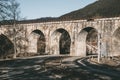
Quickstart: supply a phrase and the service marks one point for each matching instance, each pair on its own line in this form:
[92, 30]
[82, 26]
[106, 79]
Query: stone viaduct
[80, 37]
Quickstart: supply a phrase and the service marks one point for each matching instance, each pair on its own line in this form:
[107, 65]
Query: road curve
[99, 69]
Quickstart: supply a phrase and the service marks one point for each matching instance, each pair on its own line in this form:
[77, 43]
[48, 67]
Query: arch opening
[6, 47]
[87, 42]
[116, 42]
[61, 42]
[37, 43]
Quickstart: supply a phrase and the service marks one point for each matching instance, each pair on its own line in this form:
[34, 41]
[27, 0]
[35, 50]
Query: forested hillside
[98, 9]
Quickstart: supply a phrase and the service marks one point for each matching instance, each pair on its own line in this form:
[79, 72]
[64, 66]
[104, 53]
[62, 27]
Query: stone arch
[116, 42]
[60, 42]
[87, 42]
[6, 47]
[37, 42]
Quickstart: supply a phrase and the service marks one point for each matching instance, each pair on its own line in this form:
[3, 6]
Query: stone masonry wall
[108, 30]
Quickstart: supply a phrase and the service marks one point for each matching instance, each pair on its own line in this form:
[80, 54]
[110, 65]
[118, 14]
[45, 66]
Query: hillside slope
[98, 9]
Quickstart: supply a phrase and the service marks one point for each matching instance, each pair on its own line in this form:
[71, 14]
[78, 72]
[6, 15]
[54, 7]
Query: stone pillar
[72, 48]
[54, 44]
[81, 44]
[106, 45]
[32, 44]
[47, 48]
[74, 36]
[99, 47]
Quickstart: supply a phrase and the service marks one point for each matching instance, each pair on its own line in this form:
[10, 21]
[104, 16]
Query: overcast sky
[32, 9]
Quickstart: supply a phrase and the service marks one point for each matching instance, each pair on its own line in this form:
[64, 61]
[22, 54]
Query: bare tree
[14, 11]
[9, 11]
[3, 9]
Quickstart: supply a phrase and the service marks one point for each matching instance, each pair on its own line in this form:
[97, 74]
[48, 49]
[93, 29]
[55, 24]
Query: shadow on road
[49, 68]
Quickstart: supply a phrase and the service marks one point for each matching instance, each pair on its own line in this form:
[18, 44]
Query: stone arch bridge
[74, 38]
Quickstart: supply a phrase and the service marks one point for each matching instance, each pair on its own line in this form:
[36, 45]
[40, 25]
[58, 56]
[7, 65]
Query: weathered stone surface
[26, 39]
